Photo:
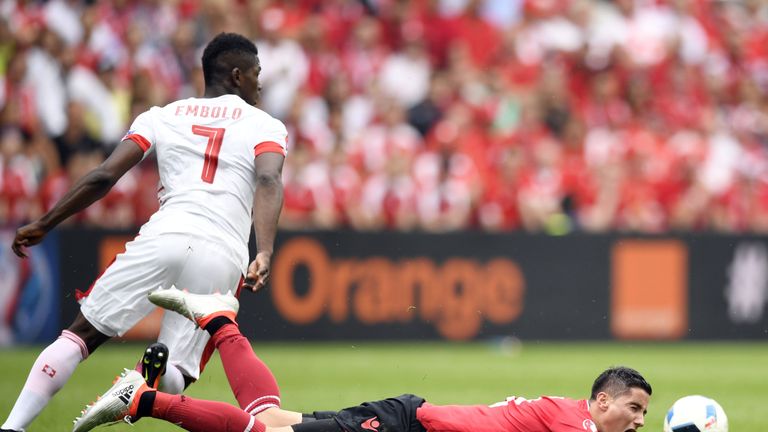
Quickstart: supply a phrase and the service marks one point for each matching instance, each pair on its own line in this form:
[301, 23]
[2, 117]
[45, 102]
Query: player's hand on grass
[28, 235]
[258, 272]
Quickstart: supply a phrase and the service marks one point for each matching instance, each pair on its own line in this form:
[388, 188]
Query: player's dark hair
[225, 51]
[619, 380]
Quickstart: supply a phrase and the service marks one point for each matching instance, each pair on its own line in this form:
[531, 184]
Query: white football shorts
[118, 299]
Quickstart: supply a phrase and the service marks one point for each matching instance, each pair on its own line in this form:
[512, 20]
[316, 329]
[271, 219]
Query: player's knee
[91, 337]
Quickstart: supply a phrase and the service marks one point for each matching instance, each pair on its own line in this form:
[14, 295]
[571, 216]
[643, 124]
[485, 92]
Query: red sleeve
[466, 418]
[268, 147]
[140, 140]
[513, 415]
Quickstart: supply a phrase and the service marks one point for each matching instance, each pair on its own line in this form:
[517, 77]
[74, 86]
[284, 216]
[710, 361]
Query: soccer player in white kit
[220, 160]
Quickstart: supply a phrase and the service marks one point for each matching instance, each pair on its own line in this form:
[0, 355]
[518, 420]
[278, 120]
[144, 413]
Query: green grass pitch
[315, 376]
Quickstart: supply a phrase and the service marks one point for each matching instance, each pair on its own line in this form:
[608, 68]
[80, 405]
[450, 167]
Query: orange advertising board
[649, 292]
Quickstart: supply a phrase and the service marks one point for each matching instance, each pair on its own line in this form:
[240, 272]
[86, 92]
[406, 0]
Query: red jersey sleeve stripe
[268, 147]
[140, 140]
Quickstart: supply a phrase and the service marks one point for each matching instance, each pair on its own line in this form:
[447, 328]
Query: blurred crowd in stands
[533, 115]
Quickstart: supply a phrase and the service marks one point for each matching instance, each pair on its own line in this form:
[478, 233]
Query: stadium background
[560, 185]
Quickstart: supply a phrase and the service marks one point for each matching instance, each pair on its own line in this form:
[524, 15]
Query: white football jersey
[205, 155]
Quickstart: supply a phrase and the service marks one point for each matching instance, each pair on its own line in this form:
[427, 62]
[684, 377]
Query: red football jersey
[516, 414]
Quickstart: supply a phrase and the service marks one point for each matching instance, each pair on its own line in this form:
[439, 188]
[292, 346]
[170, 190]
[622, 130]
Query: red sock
[203, 416]
[252, 382]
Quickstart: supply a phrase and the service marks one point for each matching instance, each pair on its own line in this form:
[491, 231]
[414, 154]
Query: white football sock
[52, 369]
[172, 381]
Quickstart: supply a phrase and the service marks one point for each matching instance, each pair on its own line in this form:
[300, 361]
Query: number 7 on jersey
[215, 138]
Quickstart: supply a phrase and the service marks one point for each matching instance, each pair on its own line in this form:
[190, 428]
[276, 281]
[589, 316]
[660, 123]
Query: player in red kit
[618, 401]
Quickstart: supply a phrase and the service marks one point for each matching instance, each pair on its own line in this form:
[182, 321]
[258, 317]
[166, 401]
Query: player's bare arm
[89, 189]
[268, 201]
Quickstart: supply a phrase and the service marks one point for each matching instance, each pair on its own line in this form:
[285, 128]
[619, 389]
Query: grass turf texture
[315, 376]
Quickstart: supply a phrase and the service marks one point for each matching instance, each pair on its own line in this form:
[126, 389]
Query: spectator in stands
[285, 67]
[483, 83]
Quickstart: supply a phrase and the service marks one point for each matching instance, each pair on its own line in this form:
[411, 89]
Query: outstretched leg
[253, 384]
[389, 415]
[256, 391]
[130, 399]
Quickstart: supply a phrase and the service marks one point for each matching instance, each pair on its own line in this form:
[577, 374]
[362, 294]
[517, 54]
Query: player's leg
[130, 399]
[155, 364]
[252, 382]
[201, 415]
[184, 344]
[51, 370]
[211, 416]
[250, 379]
[203, 271]
[115, 303]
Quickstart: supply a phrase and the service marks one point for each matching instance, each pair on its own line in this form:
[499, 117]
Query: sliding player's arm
[90, 188]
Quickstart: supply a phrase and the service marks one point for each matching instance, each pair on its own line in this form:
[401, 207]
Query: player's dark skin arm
[90, 188]
[85, 192]
[267, 204]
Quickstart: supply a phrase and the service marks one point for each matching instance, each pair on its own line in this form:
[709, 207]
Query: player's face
[249, 85]
[624, 413]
